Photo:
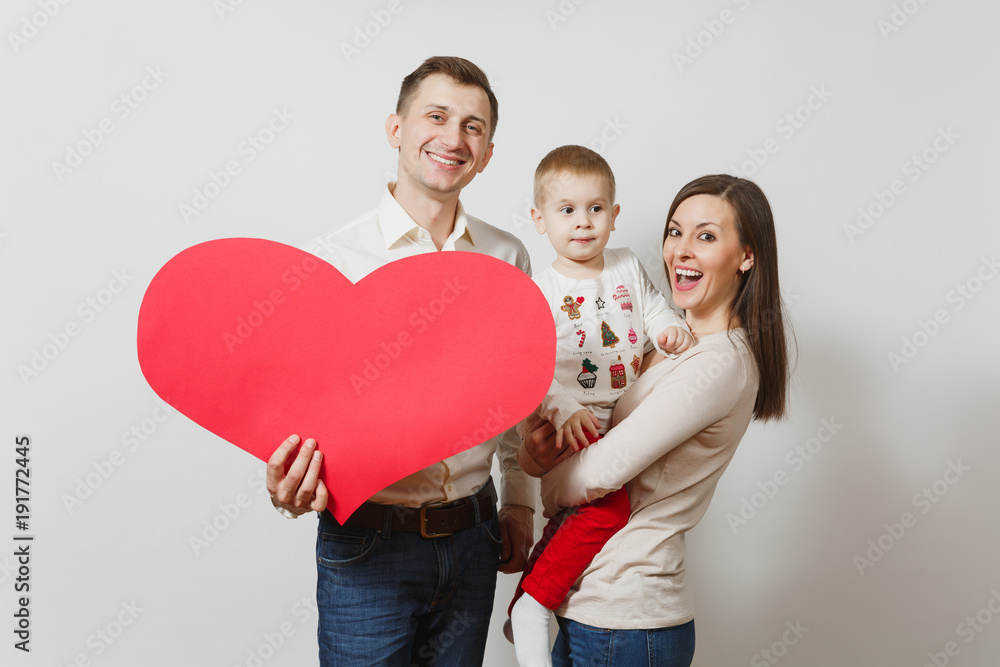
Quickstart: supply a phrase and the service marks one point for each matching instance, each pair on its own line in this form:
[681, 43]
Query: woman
[675, 430]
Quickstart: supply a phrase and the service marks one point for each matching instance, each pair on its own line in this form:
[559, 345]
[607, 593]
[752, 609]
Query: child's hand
[675, 340]
[579, 430]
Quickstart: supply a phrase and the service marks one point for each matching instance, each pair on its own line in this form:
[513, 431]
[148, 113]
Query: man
[391, 592]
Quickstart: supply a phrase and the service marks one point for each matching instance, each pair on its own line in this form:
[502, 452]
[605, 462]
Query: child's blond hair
[577, 160]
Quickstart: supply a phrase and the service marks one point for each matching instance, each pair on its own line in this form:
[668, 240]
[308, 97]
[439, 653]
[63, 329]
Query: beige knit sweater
[674, 433]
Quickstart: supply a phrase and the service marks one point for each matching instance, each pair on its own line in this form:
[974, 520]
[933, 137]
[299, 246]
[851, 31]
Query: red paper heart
[426, 357]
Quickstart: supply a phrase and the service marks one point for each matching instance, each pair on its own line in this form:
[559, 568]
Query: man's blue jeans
[580, 645]
[400, 599]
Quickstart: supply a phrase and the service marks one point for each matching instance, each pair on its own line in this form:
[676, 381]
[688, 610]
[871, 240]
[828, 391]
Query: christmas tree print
[608, 337]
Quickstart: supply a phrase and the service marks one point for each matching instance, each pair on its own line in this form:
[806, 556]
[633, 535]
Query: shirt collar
[462, 226]
[396, 223]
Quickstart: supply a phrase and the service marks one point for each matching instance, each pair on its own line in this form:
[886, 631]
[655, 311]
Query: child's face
[578, 216]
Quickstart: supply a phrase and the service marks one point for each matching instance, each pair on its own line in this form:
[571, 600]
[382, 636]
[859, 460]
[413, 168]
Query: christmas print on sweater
[602, 326]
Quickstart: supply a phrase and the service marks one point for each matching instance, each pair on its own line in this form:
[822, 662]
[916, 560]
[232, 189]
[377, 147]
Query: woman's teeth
[687, 275]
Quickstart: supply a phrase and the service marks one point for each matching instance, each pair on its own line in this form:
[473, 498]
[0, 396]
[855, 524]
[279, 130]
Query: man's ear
[392, 128]
[486, 158]
[536, 215]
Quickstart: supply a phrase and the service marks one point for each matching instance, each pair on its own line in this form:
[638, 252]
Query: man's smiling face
[442, 135]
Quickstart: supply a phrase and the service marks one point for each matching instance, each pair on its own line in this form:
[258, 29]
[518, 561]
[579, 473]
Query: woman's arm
[700, 389]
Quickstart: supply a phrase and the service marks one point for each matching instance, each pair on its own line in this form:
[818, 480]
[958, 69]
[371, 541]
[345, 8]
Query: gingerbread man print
[572, 306]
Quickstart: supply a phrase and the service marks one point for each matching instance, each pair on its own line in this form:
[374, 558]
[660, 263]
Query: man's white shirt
[388, 233]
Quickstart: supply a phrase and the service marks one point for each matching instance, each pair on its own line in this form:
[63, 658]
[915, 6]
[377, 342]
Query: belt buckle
[423, 523]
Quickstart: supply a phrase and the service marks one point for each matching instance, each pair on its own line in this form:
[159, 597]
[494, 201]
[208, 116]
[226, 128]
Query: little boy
[605, 309]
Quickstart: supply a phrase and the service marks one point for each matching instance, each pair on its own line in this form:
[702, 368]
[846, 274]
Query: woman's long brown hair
[758, 301]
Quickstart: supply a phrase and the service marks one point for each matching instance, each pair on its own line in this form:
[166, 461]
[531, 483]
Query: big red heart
[424, 358]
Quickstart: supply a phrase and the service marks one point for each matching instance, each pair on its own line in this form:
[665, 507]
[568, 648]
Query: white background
[608, 68]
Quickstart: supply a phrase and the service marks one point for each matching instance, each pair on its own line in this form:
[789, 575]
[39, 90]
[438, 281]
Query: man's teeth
[443, 161]
[689, 273]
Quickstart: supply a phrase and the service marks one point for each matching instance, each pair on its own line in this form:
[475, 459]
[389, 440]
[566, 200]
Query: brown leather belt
[436, 520]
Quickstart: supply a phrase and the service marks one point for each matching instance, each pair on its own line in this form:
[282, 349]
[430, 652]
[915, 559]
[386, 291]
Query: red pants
[570, 541]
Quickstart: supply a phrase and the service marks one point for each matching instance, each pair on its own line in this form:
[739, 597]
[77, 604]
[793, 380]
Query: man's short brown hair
[458, 69]
[577, 160]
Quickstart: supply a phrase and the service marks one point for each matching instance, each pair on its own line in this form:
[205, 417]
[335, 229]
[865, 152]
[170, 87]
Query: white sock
[530, 624]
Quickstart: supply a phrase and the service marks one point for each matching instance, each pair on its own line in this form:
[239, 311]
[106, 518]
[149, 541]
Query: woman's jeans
[580, 645]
